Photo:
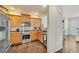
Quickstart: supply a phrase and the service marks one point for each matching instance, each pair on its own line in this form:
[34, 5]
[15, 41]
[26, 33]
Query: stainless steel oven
[26, 32]
[26, 36]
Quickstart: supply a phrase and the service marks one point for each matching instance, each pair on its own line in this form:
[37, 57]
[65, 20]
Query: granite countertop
[44, 31]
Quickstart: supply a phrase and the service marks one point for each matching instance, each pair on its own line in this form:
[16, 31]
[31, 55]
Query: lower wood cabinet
[37, 35]
[15, 38]
[34, 35]
[40, 36]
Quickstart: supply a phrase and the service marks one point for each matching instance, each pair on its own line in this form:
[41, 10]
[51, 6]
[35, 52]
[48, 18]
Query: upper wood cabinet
[15, 20]
[36, 22]
[25, 18]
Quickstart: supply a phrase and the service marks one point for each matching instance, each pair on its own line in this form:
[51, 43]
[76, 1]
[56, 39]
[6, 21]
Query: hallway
[70, 45]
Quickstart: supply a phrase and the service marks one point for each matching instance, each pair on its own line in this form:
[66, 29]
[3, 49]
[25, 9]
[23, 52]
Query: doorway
[71, 35]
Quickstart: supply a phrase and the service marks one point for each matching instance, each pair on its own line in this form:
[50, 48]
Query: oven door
[26, 38]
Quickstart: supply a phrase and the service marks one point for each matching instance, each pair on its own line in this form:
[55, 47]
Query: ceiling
[39, 10]
[34, 10]
[71, 10]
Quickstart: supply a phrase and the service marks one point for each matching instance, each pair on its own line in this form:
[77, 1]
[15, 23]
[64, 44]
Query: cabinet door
[11, 18]
[34, 35]
[38, 22]
[15, 38]
[40, 36]
[15, 20]
[35, 22]
[25, 18]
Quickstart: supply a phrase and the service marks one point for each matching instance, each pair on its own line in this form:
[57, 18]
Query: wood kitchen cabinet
[25, 18]
[35, 22]
[37, 35]
[15, 20]
[34, 35]
[15, 38]
[40, 36]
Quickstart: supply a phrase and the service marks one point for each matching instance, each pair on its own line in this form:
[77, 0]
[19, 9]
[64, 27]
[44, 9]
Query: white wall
[72, 26]
[44, 21]
[69, 11]
[66, 26]
[55, 30]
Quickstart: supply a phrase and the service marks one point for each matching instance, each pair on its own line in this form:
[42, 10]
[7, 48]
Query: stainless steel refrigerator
[4, 33]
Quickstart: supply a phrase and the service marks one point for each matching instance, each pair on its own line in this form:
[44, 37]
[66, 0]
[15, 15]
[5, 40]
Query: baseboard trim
[59, 51]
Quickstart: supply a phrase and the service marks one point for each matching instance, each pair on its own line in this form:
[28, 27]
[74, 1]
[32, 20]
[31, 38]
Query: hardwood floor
[70, 45]
[31, 47]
